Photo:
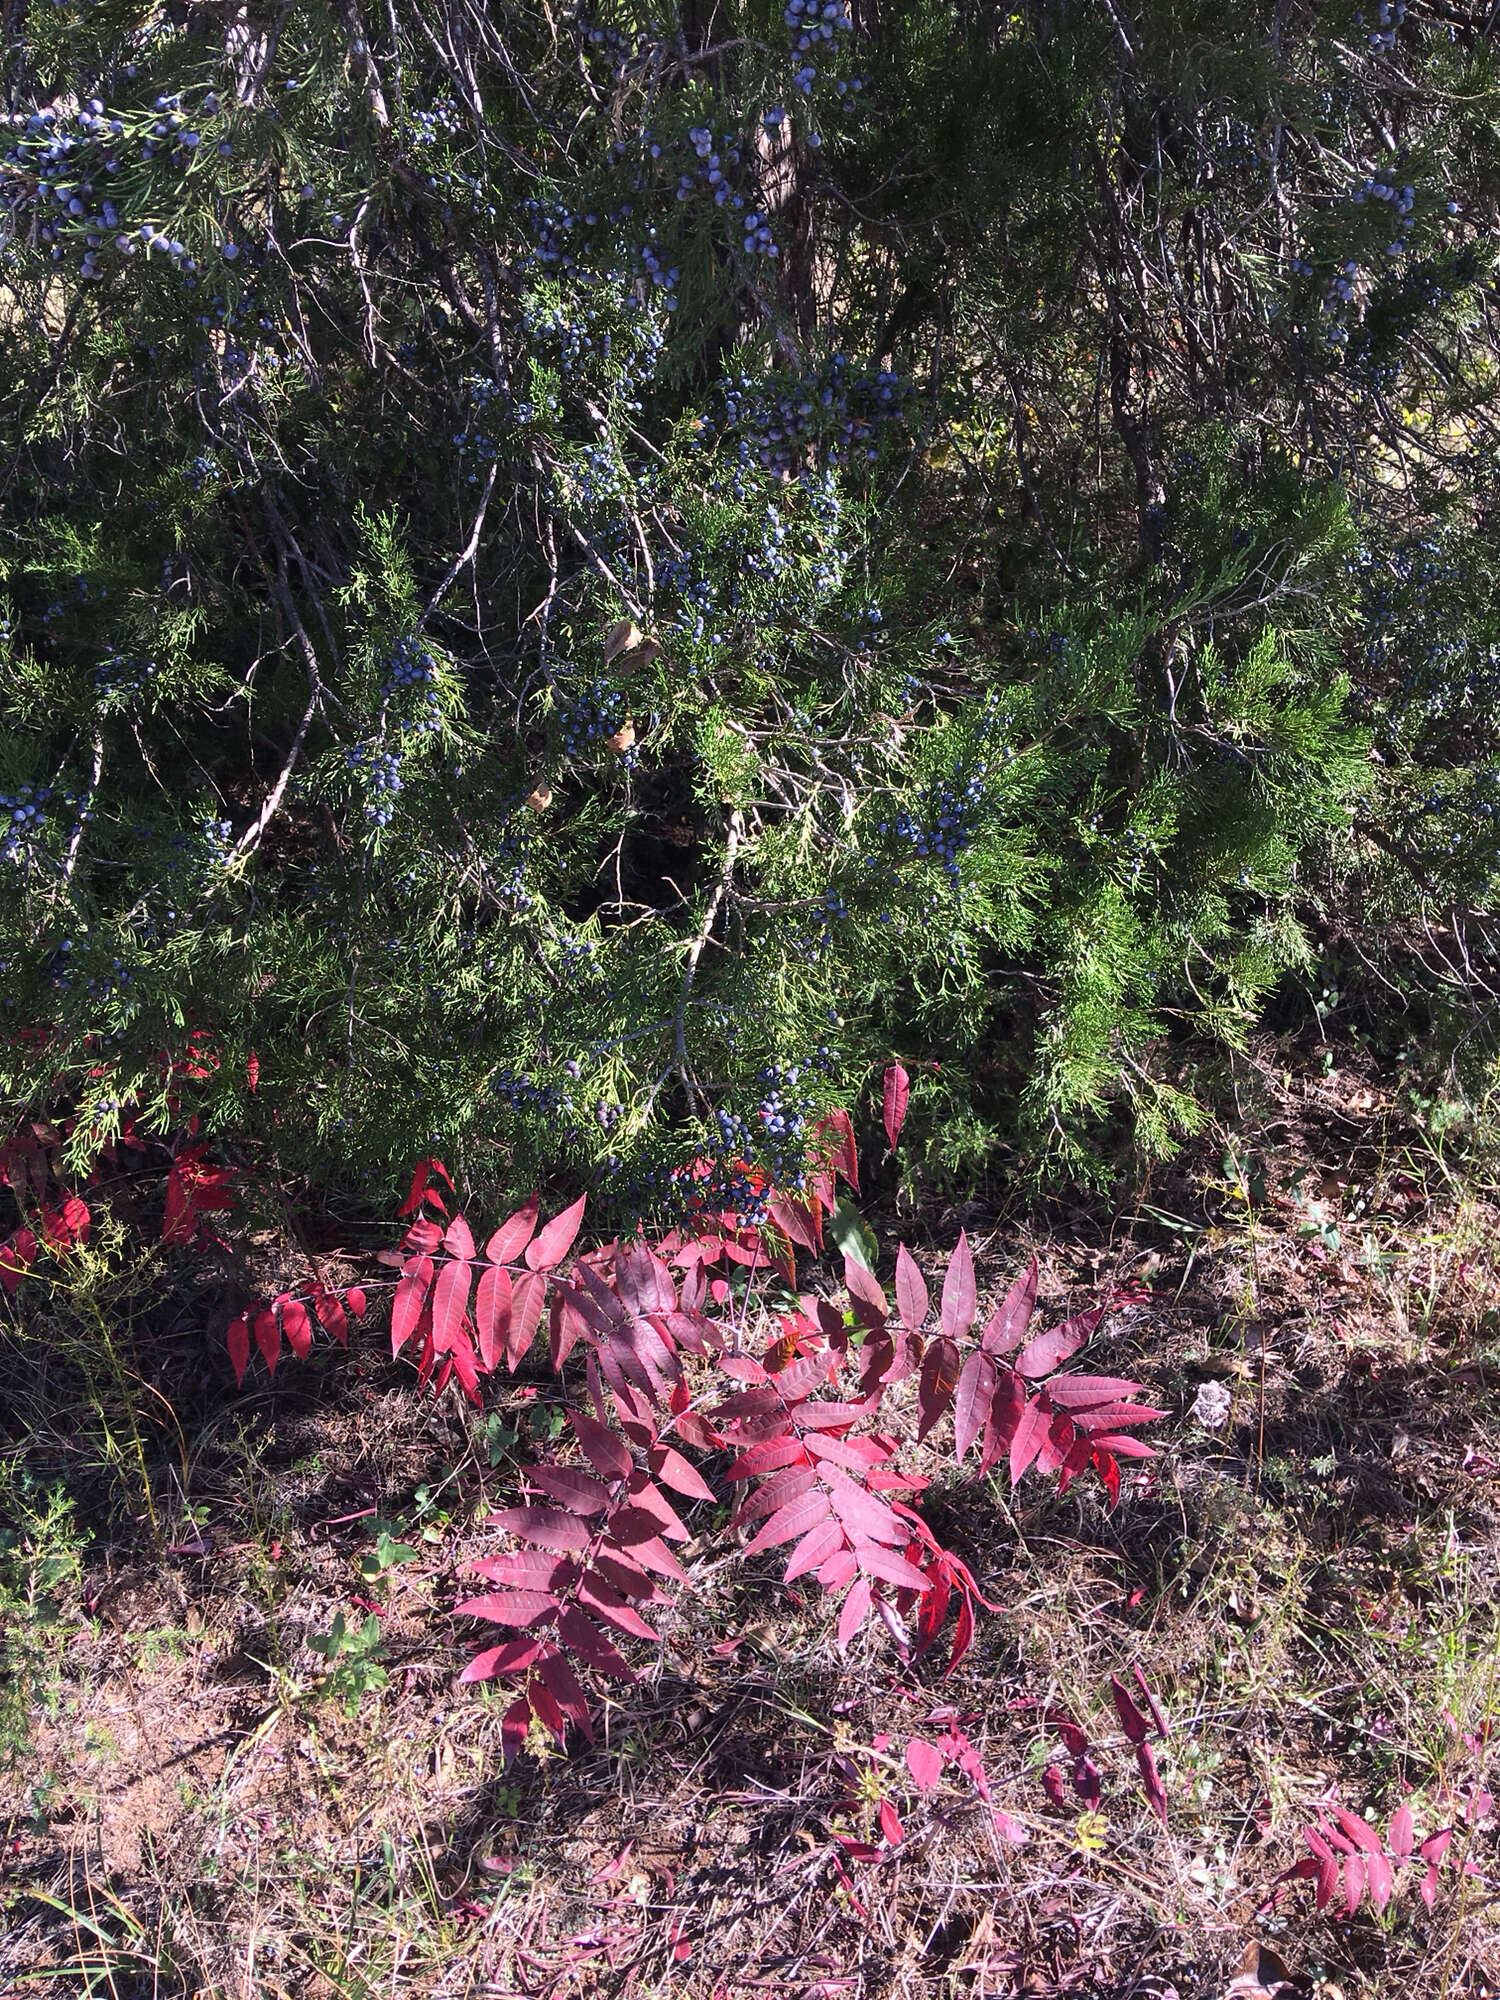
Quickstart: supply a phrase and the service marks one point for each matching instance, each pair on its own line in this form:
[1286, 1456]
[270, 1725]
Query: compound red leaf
[972, 1399]
[1007, 1324]
[854, 1610]
[544, 1527]
[960, 1300]
[912, 1301]
[578, 1491]
[936, 1384]
[492, 1303]
[548, 1248]
[601, 1447]
[458, 1239]
[788, 1522]
[671, 1467]
[237, 1334]
[508, 1607]
[511, 1238]
[528, 1296]
[1049, 1350]
[893, 1105]
[411, 1298]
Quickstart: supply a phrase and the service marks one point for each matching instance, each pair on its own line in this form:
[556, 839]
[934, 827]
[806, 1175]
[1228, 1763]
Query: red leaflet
[546, 1709]
[935, 1391]
[1004, 1415]
[411, 1296]
[650, 1500]
[890, 1824]
[583, 1637]
[515, 1726]
[855, 1608]
[578, 1491]
[889, 1567]
[1109, 1474]
[643, 1280]
[1050, 1350]
[963, 1633]
[1009, 1829]
[791, 1521]
[814, 1550]
[601, 1447]
[528, 1295]
[450, 1303]
[1159, 1714]
[960, 1301]
[562, 1684]
[911, 1291]
[1052, 1785]
[925, 1762]
[1358, 1831]
[508, 1607]
[297, 1327]
[507, 1659]
[839, 1569]
[893, 1108]
[866, 1518]
[683, 1478]
[268, 1336]
[238, 1336]
[610, 1604]
[627, 1577]
[458, 1238]
[1008, 1322]
[492, 1314]
[971, 1406]
[800, 1222]
[1401, 1833]
[1156, 1798]
[547, 1527]
[511, 1238]
[768, 1457]
[1080, 1392]
[1131, 1719]
[553, 1243]
[424, 1236]
[422, 1188]
[527, 1571]
[329, 1308]
[843, 1158]
[354, 1299]
[865, 1294]
[1379, 1877]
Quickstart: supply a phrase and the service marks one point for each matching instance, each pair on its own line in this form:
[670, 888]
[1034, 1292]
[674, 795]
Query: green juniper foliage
[573, 579]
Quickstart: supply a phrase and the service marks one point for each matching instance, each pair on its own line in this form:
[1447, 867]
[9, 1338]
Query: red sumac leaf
[1354, 1881]
[1049, 1350]
[611, 1605]
[893, 1106]
[925, 1762]
[844, 1159]
[423, 1237]
[329, 1308]
[839, 1568]
[1006, 1326]
[528, 1296]
[545, 1527]
[552, 1244]
[868, 1299]
[651, 1500]
[960, 1300]
[411, 1297]
[1380, 1878]
[866, 1518]
[1030, 1436]
[814, 1549]
[936, 1385]
[458, 1238]
[237, 1334]
[563, 1685]
[511, 1238]
[515, 1726]
[963, 1633]
[546, 1709]
[1131, 1720]
[1109, 1474]
[508, 1607]
[1082, 1392]
[1052, 1785]
[1010, 1829]
[643, 1280]
[671, 1467]
[527, 1571]
[578, 1491]
[889, 1567]
[972, 1399]
[1401, 1832]
[354, 1299]
[492, 1314]
[912, 1301]
[1358, 1830]
[778, 1491]
[628, 1577]
[1158, 1713]
[890, 1824]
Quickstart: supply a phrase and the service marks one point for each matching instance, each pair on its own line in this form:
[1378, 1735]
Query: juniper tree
[570, 581]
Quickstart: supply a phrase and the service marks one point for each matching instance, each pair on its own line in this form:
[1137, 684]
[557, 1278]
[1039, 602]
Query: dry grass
[1311, 1589]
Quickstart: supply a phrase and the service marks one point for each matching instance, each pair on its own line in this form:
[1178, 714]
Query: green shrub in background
[570, 580]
